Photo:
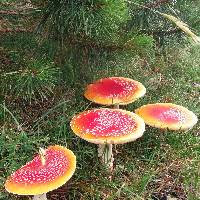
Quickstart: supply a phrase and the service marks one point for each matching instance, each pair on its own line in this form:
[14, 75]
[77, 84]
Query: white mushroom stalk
[40, 197]
[116, 106]
[106, 155]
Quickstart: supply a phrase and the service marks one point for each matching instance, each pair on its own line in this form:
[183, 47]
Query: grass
[161, 164]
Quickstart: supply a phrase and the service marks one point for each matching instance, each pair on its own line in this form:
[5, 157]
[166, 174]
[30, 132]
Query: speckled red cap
[37, 178]
[167, 115]
[112, 126]
[114, 90]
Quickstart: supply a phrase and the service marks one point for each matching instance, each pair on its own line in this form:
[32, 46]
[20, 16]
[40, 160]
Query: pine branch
[183, 26]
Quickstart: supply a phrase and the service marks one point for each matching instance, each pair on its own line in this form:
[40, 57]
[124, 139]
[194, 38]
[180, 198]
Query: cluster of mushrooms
[54, 166]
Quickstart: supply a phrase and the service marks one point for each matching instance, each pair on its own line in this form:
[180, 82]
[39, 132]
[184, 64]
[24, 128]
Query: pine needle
[183, 26]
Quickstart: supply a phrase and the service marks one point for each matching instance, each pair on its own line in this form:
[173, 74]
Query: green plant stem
[7, 110]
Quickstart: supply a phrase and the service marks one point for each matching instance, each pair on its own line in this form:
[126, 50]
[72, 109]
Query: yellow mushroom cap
[114, 90]
[167, 115]
[39, 176]
[113, 126]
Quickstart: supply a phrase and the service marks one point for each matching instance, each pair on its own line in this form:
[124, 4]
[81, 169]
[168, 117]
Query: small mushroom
[167, 115]
[106, 127]
[114, 91]
[49, 170]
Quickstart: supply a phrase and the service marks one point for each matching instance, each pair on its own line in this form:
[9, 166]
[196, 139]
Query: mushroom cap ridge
[104, 117]
[114, 90]
[24, 187]
[167, 115]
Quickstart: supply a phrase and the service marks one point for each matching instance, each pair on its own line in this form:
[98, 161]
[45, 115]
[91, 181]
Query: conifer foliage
[78, 42]
[98, 20]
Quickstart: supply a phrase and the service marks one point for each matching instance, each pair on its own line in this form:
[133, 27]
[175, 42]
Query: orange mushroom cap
[114, 90]
[37, 178]
[167, 115]
[112, 126]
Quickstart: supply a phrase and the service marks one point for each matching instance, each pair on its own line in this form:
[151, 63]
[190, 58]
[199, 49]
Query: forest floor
[161, 165]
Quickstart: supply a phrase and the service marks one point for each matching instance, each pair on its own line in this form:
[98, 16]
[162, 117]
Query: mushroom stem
[40, 197]
[109, 156]
[116, 106]
[101, 148]
[106, 155]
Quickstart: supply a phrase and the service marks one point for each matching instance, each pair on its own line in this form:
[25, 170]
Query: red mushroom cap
[114, 90]
[167, 115]
[113, 126]
[37, 178]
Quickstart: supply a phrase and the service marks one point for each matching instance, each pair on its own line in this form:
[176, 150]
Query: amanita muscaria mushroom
[167, 115]
[47, 171]
[106, 127]
[114, 91]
